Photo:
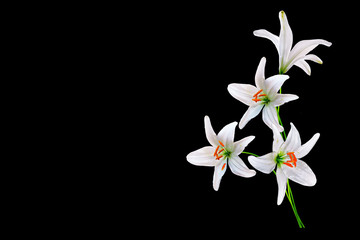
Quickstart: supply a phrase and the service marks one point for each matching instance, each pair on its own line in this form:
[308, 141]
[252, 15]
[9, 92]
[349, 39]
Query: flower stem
[288, 191]
[278, 115]
[251, 154]
[292, 203]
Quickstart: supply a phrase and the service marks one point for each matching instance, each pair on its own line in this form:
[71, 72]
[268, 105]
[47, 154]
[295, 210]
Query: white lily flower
[223, 151]
[263, 96]
[298, 54]
[286, 156]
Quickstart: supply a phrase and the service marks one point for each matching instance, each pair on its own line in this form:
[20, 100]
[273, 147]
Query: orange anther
[221, 144]
[223, 167]
[220, 151]
[287, 164]
[219, 157]
[293, 159]
[255, 95]
[256, 99]
[215, 153]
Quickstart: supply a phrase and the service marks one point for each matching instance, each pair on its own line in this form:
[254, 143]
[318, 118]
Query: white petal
[301, 174]
[306, 148]
[202, 157]
[260, 74]
[270, 118]
[280, 99]
[265, 163]
[281, 181]
[285, 38]
[252, 112]
[293, 141]
[243, 92]
[304, 66]
[266, 34]
[313, 58]
[240, 145]
[210, 134]
[302, 48]
[278, 140]
[226, 135]
[239, 168]
[219, 172]
[273, 84]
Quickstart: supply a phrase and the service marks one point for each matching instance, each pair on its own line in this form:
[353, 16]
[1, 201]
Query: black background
[132, 86]
[192, 52]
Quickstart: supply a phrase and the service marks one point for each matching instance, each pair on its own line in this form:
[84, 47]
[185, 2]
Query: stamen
[287, 164]
[256, 99]
[257, 93]
[219, 157]
[215, 153]
[223, 167]
[220, 151]
[293, 158]
[221, 144]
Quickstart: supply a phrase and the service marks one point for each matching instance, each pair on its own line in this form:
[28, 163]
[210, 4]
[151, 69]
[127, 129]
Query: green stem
[289, 192]
[278, 115]
[292, 203]
[251, 154]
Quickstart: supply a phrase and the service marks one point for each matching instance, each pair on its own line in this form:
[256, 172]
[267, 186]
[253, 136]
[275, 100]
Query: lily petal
[285, 40]
[239, 168]
[313, 58]
[243, 92]
[219, 171]
[266, 34]
[265, 163]
[281, 181]
[301, 63]
[304, 66]
[202, 157]
[274, 83]
[252, 112]
[302, 48]
[260, 74]
[306, 148]
[280, 99]
[210, 134]
[301, 174]
[240, 145]
[293, 141]
[226, 135]
[278, 140]
[269, 117]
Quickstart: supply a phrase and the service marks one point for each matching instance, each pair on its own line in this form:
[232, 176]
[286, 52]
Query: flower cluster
[265, 96]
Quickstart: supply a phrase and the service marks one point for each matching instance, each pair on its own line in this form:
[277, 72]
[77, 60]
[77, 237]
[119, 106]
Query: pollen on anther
[288, 164]
[221, 144]
[215, 153]
[257, 93]
[223, 167]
